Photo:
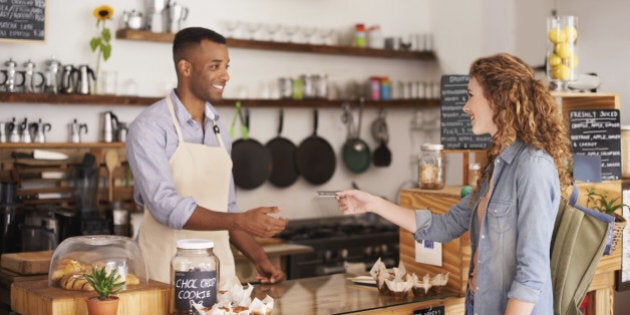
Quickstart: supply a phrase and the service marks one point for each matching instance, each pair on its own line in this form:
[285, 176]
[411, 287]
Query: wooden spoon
[111, 162]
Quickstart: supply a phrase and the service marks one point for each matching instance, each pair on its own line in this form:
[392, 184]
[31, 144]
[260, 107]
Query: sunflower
[104, 12]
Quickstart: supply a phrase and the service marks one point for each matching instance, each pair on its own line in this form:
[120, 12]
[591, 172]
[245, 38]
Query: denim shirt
[515, 235]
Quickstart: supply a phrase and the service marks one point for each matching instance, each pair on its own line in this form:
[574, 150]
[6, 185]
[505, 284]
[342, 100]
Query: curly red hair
[524, 109]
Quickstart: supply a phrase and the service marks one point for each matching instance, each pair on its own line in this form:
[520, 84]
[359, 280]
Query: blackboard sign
[598, 132]
[456, 131]
[22, 19]
[436, 310]
[198, 287]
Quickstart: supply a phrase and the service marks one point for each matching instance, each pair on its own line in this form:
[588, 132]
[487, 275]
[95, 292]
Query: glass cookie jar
[194, 275]
[562, 57]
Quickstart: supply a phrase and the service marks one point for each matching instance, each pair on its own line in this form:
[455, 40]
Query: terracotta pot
[102, 307]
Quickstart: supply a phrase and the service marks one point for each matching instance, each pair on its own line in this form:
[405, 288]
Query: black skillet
[356, 153]
[315, 157]
[284, 171]
[251, 160]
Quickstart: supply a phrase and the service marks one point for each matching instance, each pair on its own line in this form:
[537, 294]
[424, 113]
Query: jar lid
[432, 147]
[194, 244]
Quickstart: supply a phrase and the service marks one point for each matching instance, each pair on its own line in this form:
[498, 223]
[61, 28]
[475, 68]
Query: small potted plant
[105, 285]
[599, 201]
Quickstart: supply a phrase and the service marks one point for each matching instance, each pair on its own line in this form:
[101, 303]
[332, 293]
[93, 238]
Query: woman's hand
[356, 202]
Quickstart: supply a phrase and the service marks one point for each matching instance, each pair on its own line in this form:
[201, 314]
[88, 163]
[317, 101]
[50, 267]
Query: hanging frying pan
[356, 153]
[251, 160]
[284, 171]
[382, 155]
[315, 157]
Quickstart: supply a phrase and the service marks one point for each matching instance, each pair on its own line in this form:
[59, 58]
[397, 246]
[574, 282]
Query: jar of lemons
[562, 57]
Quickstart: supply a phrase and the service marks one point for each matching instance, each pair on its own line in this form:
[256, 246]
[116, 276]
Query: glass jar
[474, 172]
[562, 58]
[431, 167]
[194, 275]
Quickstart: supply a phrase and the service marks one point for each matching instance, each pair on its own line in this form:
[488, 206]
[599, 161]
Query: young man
[179, 154]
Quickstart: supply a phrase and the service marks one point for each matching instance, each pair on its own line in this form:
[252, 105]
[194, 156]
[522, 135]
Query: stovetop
[336, 227]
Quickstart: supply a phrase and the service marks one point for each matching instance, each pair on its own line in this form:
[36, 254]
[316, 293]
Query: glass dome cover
[80, 254]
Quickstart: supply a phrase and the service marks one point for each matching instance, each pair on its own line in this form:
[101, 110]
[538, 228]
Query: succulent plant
[103, 283]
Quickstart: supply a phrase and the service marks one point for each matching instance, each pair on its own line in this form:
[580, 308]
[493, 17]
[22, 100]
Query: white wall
[464, 30]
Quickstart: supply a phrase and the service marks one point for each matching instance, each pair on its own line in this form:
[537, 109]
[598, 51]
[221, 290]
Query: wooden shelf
[72, 99]
[64, 145]
[285, 46]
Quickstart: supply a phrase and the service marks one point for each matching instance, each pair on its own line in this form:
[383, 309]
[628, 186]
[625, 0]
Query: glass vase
[562, 57]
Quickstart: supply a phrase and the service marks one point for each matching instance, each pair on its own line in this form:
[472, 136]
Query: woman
[511, 213]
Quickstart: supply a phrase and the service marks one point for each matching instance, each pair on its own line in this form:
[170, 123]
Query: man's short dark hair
[192, 36]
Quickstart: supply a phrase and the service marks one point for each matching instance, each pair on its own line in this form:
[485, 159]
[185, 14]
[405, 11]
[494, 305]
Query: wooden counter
[337, 295]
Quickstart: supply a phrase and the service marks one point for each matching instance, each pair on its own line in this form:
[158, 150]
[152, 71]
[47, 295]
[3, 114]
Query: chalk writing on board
[456, 131]
[598, 132]
[22, 19]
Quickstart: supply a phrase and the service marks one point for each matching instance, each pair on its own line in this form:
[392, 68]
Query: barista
[179, 154]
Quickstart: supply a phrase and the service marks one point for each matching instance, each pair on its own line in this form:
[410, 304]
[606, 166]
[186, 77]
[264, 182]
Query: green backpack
[579, 239]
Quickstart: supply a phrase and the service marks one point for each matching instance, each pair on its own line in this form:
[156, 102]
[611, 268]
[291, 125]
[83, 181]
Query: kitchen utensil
[38, 154]
[382, 155]
[284, 170]
[85, 80]
[133, 19]
[24, 131]
[30, 78]
[75, 131]
[110, 123]
[86, 186]
[44, 196]
[12, 131]
[52, 72]
[316, 159]
[111, 162]
[69, 79]
[251, 160]
[39, 129]
[10, 74]
[37, 238]
[356, 153]
[43, 175]
[177, 14]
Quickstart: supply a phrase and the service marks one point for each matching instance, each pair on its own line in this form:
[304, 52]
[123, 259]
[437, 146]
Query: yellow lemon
[557, 35]
[554, 60]
[572, 61]
[563, 50]
[561, 72]
[571, 33]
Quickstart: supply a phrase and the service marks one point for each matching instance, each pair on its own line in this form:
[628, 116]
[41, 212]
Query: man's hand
[259, 222]
[268, 273]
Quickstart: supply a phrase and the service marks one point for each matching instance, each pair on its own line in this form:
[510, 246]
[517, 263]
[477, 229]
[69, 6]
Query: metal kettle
[68, 79]
[85, 80]
[110, 125]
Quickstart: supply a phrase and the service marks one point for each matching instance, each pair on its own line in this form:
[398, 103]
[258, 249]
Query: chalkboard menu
[22, 19]
[456, 131]
[598, 132]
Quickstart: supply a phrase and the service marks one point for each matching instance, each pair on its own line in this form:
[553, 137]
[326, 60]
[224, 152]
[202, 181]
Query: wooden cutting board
[37, 298]
[27, 263]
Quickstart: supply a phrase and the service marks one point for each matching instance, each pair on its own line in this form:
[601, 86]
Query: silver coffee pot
[30, 77]
[68, 79]
[52, 76]
[25, 132]
[12, 131]
[177, 14]
[10, 74]
[85, 80]
[110, 124]
[40, 129]
[133, 19]
[75, 131]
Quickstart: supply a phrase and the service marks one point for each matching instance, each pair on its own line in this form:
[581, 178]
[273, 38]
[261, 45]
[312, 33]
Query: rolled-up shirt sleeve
[443, 228]
[149, 162]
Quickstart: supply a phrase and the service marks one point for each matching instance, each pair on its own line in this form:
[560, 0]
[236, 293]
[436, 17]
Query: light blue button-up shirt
[151, 141]
[514, 238]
